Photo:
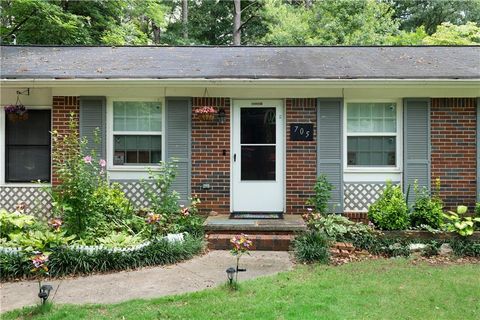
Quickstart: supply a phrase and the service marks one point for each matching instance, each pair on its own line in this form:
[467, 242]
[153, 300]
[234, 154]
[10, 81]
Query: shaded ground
[199, 273]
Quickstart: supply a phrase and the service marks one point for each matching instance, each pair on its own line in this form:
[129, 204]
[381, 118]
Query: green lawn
[383, 289]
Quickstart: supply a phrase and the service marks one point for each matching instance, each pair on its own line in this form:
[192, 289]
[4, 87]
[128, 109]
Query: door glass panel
[257, 125]
[258, 162]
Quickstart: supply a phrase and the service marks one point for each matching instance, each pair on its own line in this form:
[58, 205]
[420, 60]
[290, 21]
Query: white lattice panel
[359, 196]
[135, 192]
[37, 200]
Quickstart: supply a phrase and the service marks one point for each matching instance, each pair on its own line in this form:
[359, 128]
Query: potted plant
[16, 112]
[205, 113]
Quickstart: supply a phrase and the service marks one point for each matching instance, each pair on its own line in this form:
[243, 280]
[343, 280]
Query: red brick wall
[209, 164]
[301, 156]
[453, 140]
[62, 107]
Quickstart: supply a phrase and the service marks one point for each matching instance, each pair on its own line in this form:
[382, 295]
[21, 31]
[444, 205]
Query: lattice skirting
[37, 200]
[134, 191]
[358, 196]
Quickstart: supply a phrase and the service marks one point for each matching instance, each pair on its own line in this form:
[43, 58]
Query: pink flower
[88, 159]
[102, 163]
[185, 211]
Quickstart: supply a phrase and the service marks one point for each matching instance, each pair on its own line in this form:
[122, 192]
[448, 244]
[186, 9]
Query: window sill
[372, 170]
[132, 169]
[25, 184]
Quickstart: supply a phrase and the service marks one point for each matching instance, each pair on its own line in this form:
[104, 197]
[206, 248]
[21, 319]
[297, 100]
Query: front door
[257, 150]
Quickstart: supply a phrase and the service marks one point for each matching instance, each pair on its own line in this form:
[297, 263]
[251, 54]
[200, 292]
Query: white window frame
[399, 139]
[111, 132]
[3, 144]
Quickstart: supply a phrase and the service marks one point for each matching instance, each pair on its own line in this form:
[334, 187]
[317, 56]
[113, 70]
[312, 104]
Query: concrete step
[269, 242]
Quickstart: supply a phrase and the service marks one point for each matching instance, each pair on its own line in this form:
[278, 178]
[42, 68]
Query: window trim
[3, 146]
[110, 134]
[398, 135]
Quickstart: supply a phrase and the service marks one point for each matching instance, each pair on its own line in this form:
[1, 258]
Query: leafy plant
[35, 240]
[427, 210]
[458, 222]
[322, 191]
[477, 209]
[14, 222]
[119, 240]
[312, 246]
[390, 211]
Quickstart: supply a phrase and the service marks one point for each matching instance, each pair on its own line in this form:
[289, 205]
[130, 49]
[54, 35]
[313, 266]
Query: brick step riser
[261, 242]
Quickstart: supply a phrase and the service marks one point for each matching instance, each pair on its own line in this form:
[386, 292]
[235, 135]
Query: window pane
[137, 116]
[258, 163]
[28, 163]
[137, 149]
[371, 117]
[371, 151]
[28, 148]
[258, 125]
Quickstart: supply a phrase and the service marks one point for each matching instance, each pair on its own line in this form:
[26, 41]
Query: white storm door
[257, 151]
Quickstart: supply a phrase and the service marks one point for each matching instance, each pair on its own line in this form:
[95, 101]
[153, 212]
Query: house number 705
[301, 132]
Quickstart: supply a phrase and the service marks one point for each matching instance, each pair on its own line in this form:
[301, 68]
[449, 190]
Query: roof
[206, 62]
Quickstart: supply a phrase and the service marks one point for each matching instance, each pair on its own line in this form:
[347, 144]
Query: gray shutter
[478, 148]
[93, 116]
[416, 143]
[329, 147]
[178, 142]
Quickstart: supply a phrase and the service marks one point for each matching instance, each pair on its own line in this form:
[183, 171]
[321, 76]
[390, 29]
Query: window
[28, 148]
[137, 132]
[371, 134]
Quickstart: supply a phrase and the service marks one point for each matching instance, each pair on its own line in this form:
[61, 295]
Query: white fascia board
[185, 82]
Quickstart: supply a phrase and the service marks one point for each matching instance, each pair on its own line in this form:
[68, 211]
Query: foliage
[322, 191]
[477, 209]
[68, 261]
[89, 205]
[407, 38]
[337, 227]
[14, 222]
[427, 210]
[458, 222]
[465, 247]
[390, 211]
[35, 240]
[119, 240]
[164, 202]
[450, 34]
[431, 13]
[329, 22]
[312, 246]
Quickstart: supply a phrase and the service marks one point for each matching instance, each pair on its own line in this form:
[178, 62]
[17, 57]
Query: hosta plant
[458, 222]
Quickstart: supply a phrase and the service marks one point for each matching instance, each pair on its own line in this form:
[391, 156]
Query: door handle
[234, 157]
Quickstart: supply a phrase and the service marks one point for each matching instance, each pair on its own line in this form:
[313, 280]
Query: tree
[330, 22]
[431, 13]
[450, 34]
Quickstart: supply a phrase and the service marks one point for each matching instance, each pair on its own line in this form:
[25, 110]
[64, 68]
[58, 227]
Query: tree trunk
[185, 18]
[237, 22]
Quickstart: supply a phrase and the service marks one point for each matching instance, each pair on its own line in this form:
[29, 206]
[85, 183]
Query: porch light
[44, 292]
[221, 116]
[230, 273]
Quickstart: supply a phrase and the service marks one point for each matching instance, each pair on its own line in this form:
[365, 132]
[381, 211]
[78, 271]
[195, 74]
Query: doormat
[256, 215]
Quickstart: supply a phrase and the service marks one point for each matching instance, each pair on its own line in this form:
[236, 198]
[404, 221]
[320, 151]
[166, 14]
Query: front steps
[266, 234]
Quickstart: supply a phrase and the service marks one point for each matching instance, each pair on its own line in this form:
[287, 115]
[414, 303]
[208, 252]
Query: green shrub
[65, 261]
[465, 248]
[461, 223]
[312, 246]
[426, 210]
[390, 211]
[119, 240]
[477, 209]
[322, 191]
[35, 240]
[14, 222]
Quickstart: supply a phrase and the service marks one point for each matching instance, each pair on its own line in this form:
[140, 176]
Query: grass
[378, 289]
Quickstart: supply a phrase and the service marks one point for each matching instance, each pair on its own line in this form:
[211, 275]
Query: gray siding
[416, 140]
[178, 142]
[330, 141]
[93, 116]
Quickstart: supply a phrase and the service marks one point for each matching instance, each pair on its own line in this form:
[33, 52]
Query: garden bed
[427, 235]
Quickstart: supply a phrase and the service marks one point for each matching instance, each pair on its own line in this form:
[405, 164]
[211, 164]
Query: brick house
[360, 115]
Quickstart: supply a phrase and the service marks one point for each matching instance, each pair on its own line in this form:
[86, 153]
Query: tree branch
[21, 23]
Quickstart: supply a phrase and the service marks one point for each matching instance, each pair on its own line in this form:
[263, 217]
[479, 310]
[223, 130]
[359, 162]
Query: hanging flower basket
[16, 112]
[205, 113]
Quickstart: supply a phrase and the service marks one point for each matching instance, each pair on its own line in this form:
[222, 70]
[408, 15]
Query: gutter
[202, 82]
